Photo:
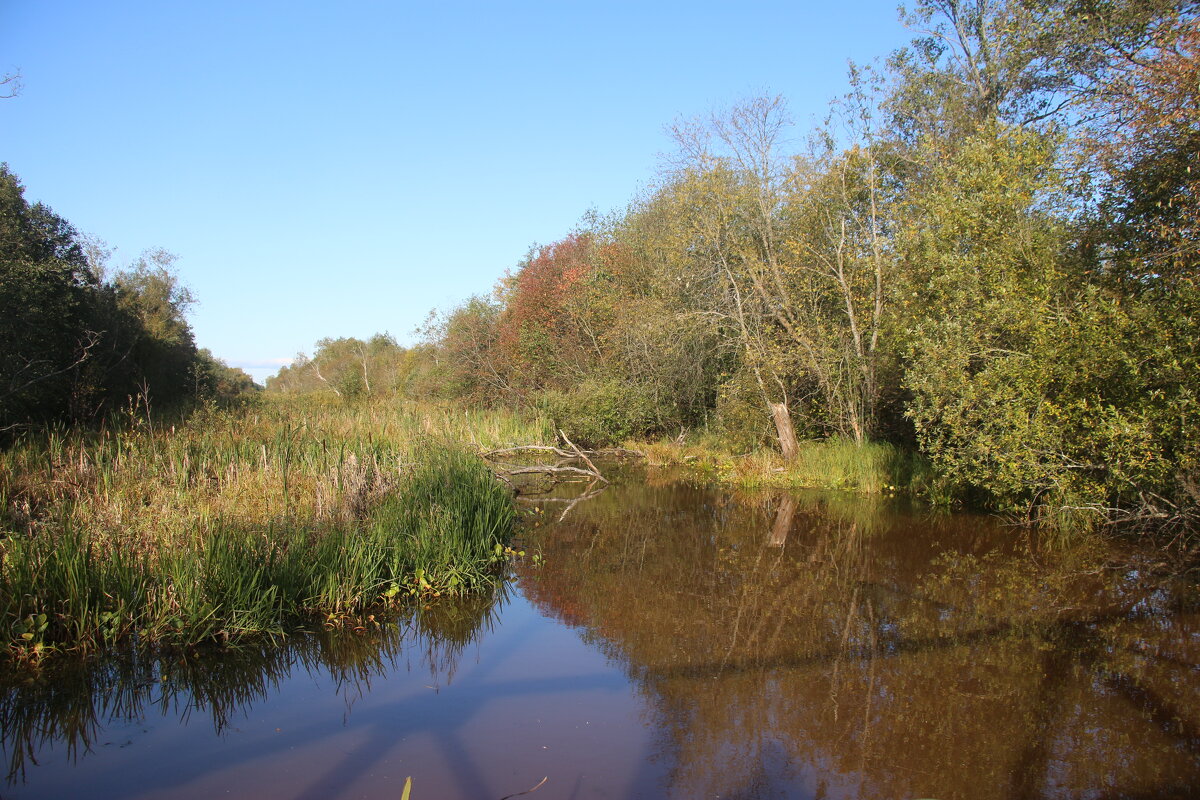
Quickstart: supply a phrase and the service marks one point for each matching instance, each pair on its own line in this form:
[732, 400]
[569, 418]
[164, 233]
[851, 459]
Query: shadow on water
[827, 645]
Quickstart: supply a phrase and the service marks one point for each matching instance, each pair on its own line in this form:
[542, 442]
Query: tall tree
[44, 291]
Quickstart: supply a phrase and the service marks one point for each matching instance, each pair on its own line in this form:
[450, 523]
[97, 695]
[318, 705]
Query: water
[679, 642]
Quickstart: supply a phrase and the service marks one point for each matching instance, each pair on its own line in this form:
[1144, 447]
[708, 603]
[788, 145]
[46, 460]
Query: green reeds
[236, 525]
[453, 515]
[867, 467]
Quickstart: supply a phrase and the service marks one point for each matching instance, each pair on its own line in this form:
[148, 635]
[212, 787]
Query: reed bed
[867, 468]
[245, 522]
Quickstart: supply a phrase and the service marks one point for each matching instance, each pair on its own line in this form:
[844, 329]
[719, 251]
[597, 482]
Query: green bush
[743, 423]
[602, 412]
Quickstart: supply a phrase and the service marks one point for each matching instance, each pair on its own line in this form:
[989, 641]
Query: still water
[679, 642]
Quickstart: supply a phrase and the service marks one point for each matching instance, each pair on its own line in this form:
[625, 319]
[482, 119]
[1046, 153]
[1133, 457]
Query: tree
[218, 380]
[10, 85]
[44, 291]
[549, 332]
[794, 255]
[728, 183]
[348, 367]
[467, 359]
[161, 344]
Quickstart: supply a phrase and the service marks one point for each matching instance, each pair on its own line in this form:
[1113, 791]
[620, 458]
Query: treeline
[78, 341]
[988, 255]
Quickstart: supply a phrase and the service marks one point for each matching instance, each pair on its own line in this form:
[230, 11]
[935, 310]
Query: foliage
[45, 284]
[221, 382]
[349, 368]
[546, 332]
[600, 413]
[78, 340]
[984, 262]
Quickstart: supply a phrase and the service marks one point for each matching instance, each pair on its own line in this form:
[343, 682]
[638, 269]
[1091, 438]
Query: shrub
[601, 412]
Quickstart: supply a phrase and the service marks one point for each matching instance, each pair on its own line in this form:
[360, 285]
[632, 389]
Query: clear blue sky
[342, 168]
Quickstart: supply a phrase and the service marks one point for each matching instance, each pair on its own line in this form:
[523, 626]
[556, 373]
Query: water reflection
[827, 646]
[73, 705]
[754, 645]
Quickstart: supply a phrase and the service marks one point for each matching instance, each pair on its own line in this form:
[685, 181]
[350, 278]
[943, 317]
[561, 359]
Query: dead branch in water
[608, 452]
[547, 469]
[560, 471]
[527, 448]
[580, 453]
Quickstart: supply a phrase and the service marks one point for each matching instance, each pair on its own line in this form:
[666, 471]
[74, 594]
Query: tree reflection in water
[831, 646]
[72, 704]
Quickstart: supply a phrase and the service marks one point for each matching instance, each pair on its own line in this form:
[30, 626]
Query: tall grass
[869, 467]
[245, 522]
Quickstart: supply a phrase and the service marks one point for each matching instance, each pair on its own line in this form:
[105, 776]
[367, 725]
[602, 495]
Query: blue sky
[342, 168]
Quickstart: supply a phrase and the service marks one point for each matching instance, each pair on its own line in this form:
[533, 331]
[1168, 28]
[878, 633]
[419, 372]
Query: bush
[602, 412]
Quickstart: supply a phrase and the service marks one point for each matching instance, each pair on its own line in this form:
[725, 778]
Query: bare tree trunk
[787, 434]
[317, 370]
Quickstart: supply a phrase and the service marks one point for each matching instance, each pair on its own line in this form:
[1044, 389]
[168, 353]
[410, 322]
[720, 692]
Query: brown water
[679, 642]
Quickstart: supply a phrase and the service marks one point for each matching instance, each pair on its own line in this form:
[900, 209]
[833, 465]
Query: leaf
[407, 788]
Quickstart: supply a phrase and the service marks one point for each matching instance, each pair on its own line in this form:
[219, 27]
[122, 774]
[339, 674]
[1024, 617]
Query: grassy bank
[246, 522]
[869, 468]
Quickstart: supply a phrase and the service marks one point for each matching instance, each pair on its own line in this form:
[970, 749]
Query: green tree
[218, 380]
[44, 290]
[161, 345]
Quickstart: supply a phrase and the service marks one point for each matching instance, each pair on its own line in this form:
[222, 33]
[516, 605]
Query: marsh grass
[245, 522]
[868, 468]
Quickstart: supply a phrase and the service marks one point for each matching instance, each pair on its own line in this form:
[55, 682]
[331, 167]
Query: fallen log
[607, 452]
[527, 448]
[579, 453]
[559, 471]
[546, 469]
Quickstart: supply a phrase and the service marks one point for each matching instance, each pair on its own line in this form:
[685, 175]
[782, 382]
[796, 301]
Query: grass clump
[454, 516]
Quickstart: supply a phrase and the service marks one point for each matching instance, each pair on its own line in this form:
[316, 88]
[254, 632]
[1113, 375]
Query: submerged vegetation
[248, 521]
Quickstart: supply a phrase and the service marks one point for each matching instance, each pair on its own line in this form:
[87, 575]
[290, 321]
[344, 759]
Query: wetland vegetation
[246, 521]
[974, 290]
[977, 282]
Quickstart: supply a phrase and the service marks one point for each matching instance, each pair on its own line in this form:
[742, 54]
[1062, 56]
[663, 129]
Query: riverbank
[873, 468]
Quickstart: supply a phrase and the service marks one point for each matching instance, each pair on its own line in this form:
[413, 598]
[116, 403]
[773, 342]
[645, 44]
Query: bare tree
[732, 177]
[10, 85]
